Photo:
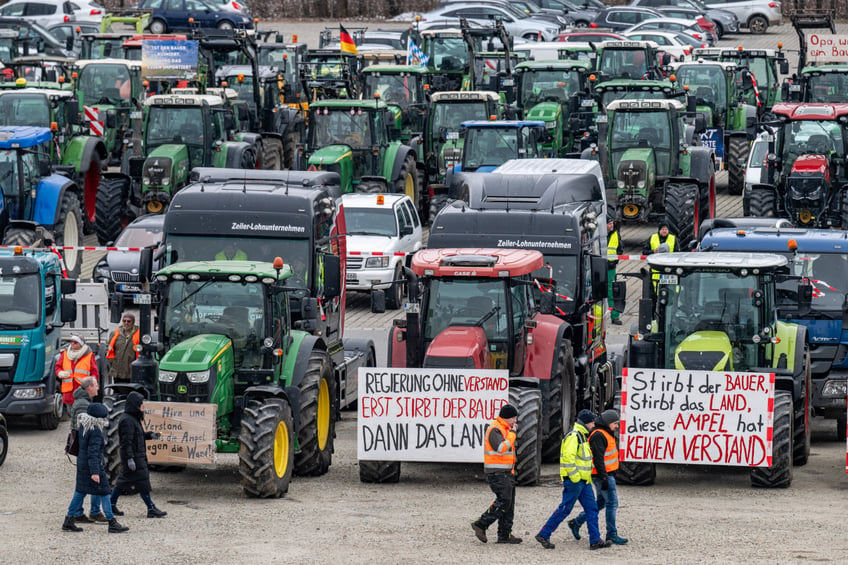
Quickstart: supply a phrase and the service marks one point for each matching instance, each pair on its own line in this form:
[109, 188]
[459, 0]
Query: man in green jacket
[575, 470]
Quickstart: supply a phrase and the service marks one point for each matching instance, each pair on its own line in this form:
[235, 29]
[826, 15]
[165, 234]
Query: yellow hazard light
[240, 77]
[792, 244]
[377, 95]
[79, 29]
[294, 38]
[278, 262]
[740, 233]
[381, 199]
[191, 20]
[61, 79]
[493, 117]
[145, 83]
[426, 87]
[686, 87]
[780, 45]
[54, 126]
[19, 250]
[256, 20]
[592, 78]
[224, 83]
[20, 82]
[74, 75]
[740, 48]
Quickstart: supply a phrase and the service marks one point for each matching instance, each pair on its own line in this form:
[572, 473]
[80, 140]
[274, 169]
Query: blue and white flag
[414, 55]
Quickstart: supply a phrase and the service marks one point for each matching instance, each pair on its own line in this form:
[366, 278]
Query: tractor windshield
[448, 115]
[20, 301]
[811, 137]
[646, 129]
[707, 83]
[21, 109]
[623, 63]
[233, 309]
[827, 87]
[494, 146]
[105, 83]
[182, 125]
[103, 48]
[468, 302]
[553, 86]
[827, 273]
[446, 53]
[559, 271]
[347, 126]
[718, 304]
[488, 69]
[282, 59]
[401, 89]
[244, 89]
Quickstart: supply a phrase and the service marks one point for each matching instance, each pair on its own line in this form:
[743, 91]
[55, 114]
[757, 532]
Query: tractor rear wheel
[394, 294]
[290, 150]
[560, 403]
[90, 181]
[266, 453]
[438, 202]
[737, 148]
[779, 475]
[682, 210]
[803, 420]
[111, 200]
[528, 443]
[317, 417]
[761, 203]
[407, 181]
[634, 473]
[370, 187]
[379, 471]
[67, 231]
[116, 408]
[272, 154]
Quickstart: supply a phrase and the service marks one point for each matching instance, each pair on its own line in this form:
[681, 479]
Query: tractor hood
[197, 353]
[458, 347]
[545, 112]
[704, 351]
[811, 164]
[329, 155]
[635, 176]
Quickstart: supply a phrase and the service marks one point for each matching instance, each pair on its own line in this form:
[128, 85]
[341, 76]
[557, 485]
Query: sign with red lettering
[827, 47]
[427, 414]
[697, 417]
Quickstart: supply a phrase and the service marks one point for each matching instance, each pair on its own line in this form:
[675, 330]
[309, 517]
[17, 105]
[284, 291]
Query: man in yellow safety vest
[661, 242]
[613, 250]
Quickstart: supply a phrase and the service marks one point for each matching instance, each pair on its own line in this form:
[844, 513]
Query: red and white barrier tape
[73, 248]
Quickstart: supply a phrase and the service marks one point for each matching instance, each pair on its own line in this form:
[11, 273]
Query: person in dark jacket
[135, 475]
[91, 471]
[83, 396]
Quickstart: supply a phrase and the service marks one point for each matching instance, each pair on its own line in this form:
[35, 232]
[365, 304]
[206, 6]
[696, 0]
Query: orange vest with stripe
[78, 372]
[499, 458]
[110, 353]
[610, 455]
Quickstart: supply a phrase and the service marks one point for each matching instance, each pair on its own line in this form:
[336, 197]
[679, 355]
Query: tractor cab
[489, 144]
[404, 89]
[708, 83]
[447, 56]
[626, 89]
[330, 73]
[628, 59]
[285, 57]
[103, 45]
[644, 138]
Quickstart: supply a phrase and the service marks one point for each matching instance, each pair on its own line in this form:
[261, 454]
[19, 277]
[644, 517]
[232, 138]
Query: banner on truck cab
[186, 430]
[169, 59]
[697, 417]
[427, 414]
[827, 47]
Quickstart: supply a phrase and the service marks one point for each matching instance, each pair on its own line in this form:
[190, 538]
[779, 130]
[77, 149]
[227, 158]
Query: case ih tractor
[805, 175]
[654, 159]
[716, 312]
[477, 311]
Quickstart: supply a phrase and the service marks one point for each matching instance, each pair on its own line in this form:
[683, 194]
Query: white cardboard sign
[427, 414]
[832, 48]
[697, 417]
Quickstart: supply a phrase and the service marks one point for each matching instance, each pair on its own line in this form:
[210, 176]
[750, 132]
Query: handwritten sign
[427, 414]
[187, 432]
[697, 417]
[828, 47]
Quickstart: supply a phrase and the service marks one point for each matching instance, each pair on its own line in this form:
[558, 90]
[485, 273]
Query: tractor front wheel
[779, 475]
[370, 187]
[379, 471]
[266, 453]
[561, 403]
[528, 443]
[112, 196]
[761, 203]
[317, 417]
[682, 208]
[67, 231]
[407, 181]
[116, 409]
[737, 148]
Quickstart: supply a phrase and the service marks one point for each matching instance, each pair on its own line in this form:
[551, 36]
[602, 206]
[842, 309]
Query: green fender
[393, 160]
[295, 364]
[550, 113]
[791, 345]
[232, 151]
[335, 157]
[80, 150]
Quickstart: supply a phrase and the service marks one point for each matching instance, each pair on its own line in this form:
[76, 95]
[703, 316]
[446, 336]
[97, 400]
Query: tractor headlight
[835, 389]
[197, 377]
[621, 184]
[377, 262]
[640, 184]
[167, 376]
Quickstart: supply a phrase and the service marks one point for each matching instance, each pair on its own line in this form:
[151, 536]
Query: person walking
[91, 470]
[499, 466]
[604, 465]
[135, 475]
[613, 249]
[74, 364]
[121, 352]
[575, 470]
[83, 396]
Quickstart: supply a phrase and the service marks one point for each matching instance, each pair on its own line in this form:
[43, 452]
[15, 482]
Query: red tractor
[476, 310]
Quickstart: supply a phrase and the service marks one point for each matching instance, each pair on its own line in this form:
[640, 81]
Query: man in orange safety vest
[122, 352]
[75, 363]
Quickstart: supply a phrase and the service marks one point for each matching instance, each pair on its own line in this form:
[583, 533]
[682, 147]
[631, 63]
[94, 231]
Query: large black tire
[67, 231]
[370, 187]
[50, 420]
[90, 182]
[272, 154]
[682, 212]
[111, 200]
[737, 148]
[843, 211]
[116, 409]
[266, 453]
[438, 202]
[21, 236]
[779, 475]
[528, 443]
[394, 294]
[290, 150]
[248, 159]
[560, 404]
[802, 436]
[842, 428]
[407, 181]
[379, 471]
[632, 472]
[317, 416]
[4, 442]
[762, 203]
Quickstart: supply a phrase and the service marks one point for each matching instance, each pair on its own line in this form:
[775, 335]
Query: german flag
[347, 44]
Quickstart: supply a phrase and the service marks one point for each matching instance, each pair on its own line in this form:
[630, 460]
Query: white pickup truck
[378, 227]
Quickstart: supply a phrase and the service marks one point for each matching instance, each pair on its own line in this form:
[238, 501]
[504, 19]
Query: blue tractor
[37, 205]
[820, 256]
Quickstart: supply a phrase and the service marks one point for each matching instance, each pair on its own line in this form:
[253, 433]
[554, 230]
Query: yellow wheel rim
[281, 449]
[323, 414]
[805, 216]
[154, 206]
[631, 210]
[409, 187]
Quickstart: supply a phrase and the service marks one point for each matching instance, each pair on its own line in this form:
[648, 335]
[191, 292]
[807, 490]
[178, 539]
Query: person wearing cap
[75, 363]
[499, 466]
[661, 242]
[91, 469]
[575, 470]
[121, 352]
[605, 464]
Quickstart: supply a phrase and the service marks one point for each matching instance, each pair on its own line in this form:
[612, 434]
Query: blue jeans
[145, 496]
[571, 493]
[608, 501]
[75, 510]
[103, 501]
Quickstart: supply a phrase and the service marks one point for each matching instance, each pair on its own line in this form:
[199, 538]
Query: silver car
[756, 15]
[528, 28]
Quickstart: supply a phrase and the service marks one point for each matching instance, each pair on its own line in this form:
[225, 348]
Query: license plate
[668, 279]
[141, 299]
[129, 288]
[351, 278]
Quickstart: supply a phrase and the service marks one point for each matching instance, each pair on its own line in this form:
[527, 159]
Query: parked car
[674, 24]
[378, 226]
[756, 15]
[673, 43]
[588, 35]
[44, 13]
[522, 9]
[725, 21]
[582, 14]
[622, 18]
[483, 15]
[690, 14]
[120, 268]
[172, 15]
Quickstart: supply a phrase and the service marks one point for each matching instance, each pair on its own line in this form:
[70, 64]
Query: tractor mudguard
[48, 197]
[791, 342]
[249, 137]
[233, 150]
[698, 168]
[297, 356]
[396, 350]
[395, 157]
[751, 118]
[290, 395]
[339, 155]
[358, 345]
[80, 151]
[122, 390]
[547, 336]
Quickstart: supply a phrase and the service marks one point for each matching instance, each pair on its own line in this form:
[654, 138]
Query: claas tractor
[716, 312]
[476, 310]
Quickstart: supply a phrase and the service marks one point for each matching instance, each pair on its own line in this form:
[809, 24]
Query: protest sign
[169, 59]
[187, 432]
[697, 417]
[832, 48]
[427, 414]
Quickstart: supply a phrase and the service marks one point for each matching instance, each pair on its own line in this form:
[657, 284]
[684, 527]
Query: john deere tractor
[653, 158]
[716, 312]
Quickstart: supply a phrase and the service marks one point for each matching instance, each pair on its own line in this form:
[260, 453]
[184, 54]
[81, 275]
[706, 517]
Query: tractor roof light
[792, 244]
[240, 77]
[19, 250]
[740, 233]
[381, 199]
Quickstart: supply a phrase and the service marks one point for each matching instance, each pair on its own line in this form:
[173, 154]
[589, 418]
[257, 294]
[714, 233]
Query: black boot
[116, 512]
[154, 512]
[115, 527]
[70, 526]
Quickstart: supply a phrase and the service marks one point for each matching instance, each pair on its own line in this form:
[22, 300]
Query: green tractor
[630, 89]
[447, 56]
[716, 312]
[180, 132]
[629, 60]
[653, 160]
[404, 88]
[766, 65]
[327, 74]
[823, 79]
[721, 95]
[286, 58]
[357, 139]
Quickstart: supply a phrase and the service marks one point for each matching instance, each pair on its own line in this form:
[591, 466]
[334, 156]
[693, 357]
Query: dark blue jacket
[91, 452]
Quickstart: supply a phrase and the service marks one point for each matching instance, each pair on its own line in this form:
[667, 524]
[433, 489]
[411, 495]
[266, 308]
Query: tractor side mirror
[69, 43]
[666, 59]
[332, 275]
[747, 82]
[111, 120]
[309, 314]
[68, 286]
[69, 310]
[116, 306]
[805, 298]
[700, 124]
[229, 122]
[145, 264]
[546, 303]
[784, 67]
[378, 301]
[784, 91]
[619, 295]
[72, 111]
[600, 277]
[44, 168]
